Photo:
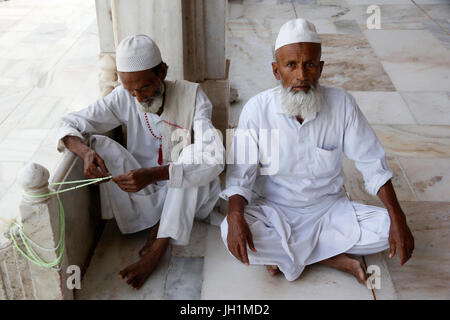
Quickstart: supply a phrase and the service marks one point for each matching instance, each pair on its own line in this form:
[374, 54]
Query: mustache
[301, 84]
[150, 99]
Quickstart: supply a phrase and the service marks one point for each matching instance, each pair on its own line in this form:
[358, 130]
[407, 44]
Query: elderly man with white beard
[154, 186]
[301, 214]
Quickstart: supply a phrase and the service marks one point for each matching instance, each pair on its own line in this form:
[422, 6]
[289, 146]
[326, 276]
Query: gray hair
[274, 54]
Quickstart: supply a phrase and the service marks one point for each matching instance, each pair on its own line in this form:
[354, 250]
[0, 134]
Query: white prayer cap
[137, 53]
[296, 30]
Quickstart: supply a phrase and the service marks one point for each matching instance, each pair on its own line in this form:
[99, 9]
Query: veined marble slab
[197, 242]
[20, 144]
[415, 141]
[427, 274]
[383, 107]
[427, 2]
[8, 174]
[184, 280]
[351, 63]
[398, 16]
[227, 278]
[10, 99]
[438, 11]
[440, 28]
[260, 10]
[412, 67]
[9, 208]
[115, 252]
[379, 2]
[432, 108]
[429, 178]
[354, 184]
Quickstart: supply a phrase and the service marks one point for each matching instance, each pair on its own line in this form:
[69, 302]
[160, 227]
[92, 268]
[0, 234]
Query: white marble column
[108, 78]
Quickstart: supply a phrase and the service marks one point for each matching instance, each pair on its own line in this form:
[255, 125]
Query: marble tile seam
[431, 18]
[409, 108]
[16, 106]
[416, 198]
[295, 10]
[163, 293]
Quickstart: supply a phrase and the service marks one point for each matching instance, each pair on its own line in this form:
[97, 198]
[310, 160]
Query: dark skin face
[298, 65]
[143, 84]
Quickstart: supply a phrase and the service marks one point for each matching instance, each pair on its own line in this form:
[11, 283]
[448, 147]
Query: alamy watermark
[374, 20]
[374, 280]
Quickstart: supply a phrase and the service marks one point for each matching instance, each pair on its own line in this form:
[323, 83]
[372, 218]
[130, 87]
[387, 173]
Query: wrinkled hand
[239, 235]
[134, 180]
[94, 166]
[401, 240]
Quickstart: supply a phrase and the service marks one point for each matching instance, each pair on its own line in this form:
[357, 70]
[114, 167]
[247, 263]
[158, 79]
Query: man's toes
[130, 278]
[135, 283]
[360, 274]
[273, 270]
[139, 282]
[123, 273]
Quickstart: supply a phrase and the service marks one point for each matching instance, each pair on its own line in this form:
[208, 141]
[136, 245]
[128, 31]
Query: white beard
[156, 101]
[300, 103]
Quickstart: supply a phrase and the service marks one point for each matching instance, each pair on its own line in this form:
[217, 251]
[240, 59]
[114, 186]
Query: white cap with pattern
[137, 53]
[297, 30]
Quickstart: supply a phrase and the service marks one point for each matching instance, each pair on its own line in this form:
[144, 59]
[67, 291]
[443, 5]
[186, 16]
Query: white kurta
[118, 108]
[301, 214]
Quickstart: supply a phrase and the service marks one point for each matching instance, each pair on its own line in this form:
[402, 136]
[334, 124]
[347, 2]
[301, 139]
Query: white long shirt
[118, 108]
[302, 198]
[310, 154]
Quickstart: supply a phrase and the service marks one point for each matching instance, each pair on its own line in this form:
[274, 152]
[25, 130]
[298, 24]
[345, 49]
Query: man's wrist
[82, 151]
[235, 214]
[76, 145]
[159, 173]
[397, 215]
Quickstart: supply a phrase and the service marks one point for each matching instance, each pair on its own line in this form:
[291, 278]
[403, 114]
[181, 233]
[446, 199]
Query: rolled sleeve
[377, 181]
[99, 117]
[65, 131]
[363, 147]
[241, 177]
[231, 191]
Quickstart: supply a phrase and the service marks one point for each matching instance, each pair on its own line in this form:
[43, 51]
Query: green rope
[29, 253]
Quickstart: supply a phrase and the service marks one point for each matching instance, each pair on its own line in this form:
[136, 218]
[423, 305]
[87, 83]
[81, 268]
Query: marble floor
[399, 75]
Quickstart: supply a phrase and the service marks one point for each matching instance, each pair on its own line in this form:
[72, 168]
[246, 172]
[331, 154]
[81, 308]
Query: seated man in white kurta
[153, 185]
[301, 215]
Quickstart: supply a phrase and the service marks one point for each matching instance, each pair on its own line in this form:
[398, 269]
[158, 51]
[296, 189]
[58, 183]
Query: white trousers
[175, 208]
[372, 222]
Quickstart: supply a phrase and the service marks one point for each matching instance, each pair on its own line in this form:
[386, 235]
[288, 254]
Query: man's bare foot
[151, 238]
[344, 263]
[273, 270]
[137, 273]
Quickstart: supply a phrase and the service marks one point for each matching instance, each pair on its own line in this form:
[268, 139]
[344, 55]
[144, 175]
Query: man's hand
[400, 238]
[135, 180]
[92, 163]
[239, 235]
